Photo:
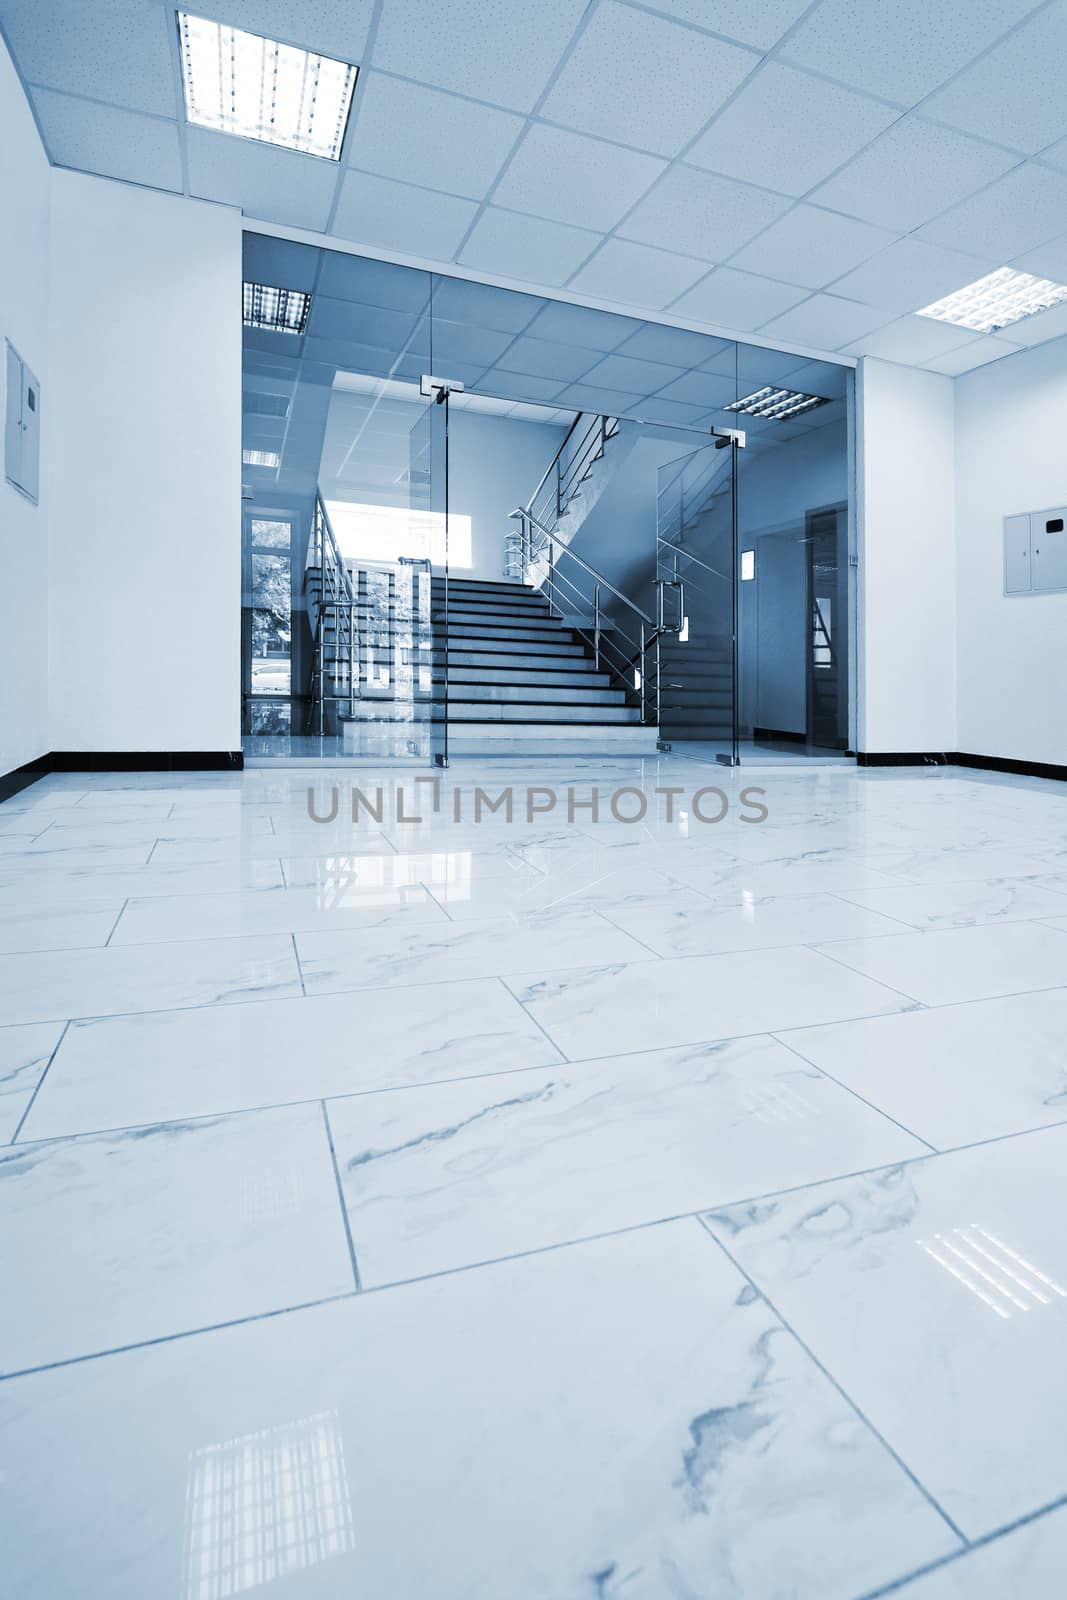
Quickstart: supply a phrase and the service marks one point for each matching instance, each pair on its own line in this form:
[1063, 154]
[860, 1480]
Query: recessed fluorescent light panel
[261, 458]
[282, 310]
[236, 82]
[777, 404]
[997, 300]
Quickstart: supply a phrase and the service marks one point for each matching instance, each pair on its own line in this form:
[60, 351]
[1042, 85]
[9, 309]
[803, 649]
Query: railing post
[551, 574]
[596, 624]
[644, 675]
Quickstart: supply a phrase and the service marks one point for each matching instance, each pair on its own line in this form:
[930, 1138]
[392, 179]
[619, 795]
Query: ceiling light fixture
[240, 83]
[776, 404]
[261, 458]
[282, 310]
[996, 301]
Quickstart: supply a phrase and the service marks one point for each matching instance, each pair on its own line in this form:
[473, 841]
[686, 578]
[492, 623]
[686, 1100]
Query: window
[748, 565]
[385, 533]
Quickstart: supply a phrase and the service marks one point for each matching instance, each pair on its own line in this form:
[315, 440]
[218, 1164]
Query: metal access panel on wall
[22, 426]
[1035, 552]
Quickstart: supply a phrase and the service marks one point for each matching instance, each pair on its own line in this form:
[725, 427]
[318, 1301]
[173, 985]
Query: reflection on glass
[265, 1505]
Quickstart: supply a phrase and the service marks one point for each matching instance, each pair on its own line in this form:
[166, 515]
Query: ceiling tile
[118, 144]
[1047, 261]
[707, 390]
[282, 262]
[543, 358]
[910, 274]
[825, 322]
[656, 408]
[912, 341]
[500, 381]
[757, 22]
[644, 80]
[373, 283]
[493, 50]
[372, 325]
[583, 397]
[271, 184]
[810, 246]
[419, 135]
[596, 330]
[675, 346]
[88, 49]
[396, 216]
[1056, 155]
[788, 130]
[526, 247]
[900, 51]
[912, 173]
[755, 365]
[602, 181]
[507, 310]
[701, 214]
[640, 377]
[1023, 209]
[459, 341]
[1051, 324]
[335, 28]
[978, 353]
[821, 377]
[738, 299]
[1015, 93]
[636, 274]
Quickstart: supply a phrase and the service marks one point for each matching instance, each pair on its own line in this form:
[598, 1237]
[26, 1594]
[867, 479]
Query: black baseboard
[903, 758]
[1023, 769]
[779, 736]
[12, 783]
[960, 758]
[147, 760]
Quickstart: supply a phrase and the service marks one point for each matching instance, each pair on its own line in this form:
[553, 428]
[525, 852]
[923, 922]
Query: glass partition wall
[478, 520]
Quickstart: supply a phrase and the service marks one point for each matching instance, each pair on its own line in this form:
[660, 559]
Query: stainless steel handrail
[598, 577]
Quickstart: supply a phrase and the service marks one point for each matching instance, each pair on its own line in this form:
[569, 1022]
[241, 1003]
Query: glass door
[429, 466]
[697, 579]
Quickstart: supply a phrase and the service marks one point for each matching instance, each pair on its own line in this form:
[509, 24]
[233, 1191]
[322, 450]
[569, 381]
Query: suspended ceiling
[812, 173]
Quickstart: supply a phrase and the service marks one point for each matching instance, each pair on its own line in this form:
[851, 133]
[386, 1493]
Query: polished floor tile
[963, 905]
[465, 1172]
[602, 1010]
[116, 1239]
[955, 1074]
[618, 1418]
[483, 1079]
[438, 954]
[61, 928]
[953, 1271]
[266, 911]
[94, 983]
[1027, 1563]
[166, 1065]
[24, 1054]
[677, 926]
[962, 964]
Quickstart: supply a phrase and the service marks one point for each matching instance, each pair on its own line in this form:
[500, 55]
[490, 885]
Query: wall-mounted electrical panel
[1035, 552]
[22, 427]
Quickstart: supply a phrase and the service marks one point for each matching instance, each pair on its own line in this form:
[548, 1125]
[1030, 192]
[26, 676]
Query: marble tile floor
[484, 1210]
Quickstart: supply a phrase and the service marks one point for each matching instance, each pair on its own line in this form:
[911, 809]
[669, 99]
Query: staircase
[519, 677]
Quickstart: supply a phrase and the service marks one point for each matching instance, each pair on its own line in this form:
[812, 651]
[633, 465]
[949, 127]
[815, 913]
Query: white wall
[494, 465]
[145, 385]
[906, 526]
[1011, 455]
[24, 204]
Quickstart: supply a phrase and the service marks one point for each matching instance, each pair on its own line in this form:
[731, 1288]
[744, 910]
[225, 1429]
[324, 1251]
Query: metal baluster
[643, 674]
[596, 624]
